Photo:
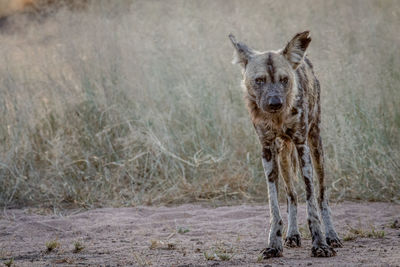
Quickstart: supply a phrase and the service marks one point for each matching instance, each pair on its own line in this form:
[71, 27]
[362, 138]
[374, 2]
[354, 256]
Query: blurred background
[119, 103]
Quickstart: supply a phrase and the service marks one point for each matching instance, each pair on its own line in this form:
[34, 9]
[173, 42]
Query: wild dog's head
[269, 77]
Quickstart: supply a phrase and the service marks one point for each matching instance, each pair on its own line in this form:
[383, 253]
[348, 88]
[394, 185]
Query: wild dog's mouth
[272, 111]
[269, 110]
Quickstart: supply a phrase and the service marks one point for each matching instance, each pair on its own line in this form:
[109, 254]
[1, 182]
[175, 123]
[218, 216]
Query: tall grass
[122, 106]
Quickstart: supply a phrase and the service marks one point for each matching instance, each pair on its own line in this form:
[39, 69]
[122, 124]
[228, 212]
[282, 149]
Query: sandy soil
[186, 235]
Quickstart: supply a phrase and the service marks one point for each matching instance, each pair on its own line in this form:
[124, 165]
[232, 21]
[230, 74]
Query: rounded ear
[295, 50]
[242, 52]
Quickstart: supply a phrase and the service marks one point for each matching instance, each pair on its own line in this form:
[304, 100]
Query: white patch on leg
[327, 219]
[307, 168]
[273, 201]
[267, 167]
[292, 220]
[274, 240]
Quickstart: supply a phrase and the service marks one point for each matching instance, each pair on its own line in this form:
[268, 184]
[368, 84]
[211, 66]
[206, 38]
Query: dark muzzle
[275, 103]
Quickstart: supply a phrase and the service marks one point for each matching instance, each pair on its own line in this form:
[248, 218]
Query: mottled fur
[283, 99]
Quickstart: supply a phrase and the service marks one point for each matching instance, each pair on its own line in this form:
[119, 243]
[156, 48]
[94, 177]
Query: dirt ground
[191, 235]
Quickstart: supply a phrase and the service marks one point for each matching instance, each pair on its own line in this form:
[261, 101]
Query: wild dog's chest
[283, 127]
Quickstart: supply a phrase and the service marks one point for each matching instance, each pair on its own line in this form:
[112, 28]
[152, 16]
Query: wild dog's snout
[271, 103]
[275, 103]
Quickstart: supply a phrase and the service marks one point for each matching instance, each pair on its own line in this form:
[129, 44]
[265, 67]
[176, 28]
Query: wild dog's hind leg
[318, 158]
[293, 235]
[319, 246]
[269, 160]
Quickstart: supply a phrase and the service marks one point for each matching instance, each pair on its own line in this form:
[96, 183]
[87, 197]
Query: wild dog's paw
[334, 241]
[271, 253]
[293, 241]
[322, 251]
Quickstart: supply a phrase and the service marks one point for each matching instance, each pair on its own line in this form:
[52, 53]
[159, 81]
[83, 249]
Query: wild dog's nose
[275, 103]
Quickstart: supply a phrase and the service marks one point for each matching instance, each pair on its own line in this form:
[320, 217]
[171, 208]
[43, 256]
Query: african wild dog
[283, 98]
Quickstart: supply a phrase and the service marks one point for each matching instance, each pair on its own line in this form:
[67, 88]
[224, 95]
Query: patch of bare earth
[191, 235]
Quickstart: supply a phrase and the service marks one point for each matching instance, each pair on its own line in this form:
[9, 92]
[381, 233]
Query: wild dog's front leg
[317, 153]
[319, 246]
[293, 235]
[269, 160]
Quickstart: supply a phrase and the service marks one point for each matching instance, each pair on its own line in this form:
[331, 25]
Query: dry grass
[142, 106]
[220, 251]
[78, 247]
[52, 245]
[9, 263]
[359, 231]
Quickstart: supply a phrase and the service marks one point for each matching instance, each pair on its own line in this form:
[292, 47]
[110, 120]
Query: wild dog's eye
[260, 81]
[284, 80]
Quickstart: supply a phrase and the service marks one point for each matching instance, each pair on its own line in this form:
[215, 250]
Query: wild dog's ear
[242, 52]
[295, 50]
